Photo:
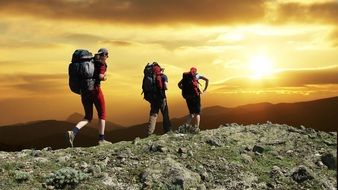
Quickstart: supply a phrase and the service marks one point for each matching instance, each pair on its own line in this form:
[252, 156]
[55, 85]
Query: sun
[260, 67]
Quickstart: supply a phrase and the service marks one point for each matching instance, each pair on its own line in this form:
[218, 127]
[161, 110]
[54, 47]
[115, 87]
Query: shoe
[104, 142]
[71, 138]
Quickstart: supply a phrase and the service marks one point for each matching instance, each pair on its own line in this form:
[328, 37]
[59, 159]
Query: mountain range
[319, 114]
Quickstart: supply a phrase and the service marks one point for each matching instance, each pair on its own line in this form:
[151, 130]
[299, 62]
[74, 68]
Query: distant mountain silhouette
[318, 114]
[76, 117]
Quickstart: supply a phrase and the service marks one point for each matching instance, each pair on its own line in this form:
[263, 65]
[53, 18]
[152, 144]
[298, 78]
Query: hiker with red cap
[92, 95]
[192, 94]
[154, 85]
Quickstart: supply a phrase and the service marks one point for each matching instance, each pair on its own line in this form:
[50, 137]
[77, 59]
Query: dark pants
[194, 104]
[156, 106]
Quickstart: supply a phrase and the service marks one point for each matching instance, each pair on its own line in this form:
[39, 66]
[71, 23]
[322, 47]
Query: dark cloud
[35, 83]
[141, 11]
[286, 79]
[308, 13]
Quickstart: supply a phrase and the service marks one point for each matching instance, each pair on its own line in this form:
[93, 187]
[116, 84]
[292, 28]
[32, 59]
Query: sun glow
[260, 67]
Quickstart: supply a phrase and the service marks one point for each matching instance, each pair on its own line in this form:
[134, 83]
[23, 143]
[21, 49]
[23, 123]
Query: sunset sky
[251, 50]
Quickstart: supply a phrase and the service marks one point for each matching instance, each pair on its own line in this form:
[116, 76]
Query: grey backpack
[81, 71]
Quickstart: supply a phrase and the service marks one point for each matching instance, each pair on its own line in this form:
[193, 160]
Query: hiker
[192, 94]
[154, 85]
[91, 76]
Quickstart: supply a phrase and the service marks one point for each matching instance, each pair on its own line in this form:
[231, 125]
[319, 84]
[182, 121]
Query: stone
[329, 160]
[246, 158]
[213, 142]
[182, 150]
[136, 141]
[276, 172]
[258, 149]
[301, 174]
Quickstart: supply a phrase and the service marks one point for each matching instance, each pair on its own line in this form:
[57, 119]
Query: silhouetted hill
[318, 114]
[48, 133]
[76, 117]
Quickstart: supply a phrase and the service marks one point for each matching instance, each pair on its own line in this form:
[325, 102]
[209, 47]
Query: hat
[193, 70]
[102, 51]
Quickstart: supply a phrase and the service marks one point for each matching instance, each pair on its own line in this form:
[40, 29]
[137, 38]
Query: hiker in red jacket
[192, 94]
[155, 83]
[94, 97]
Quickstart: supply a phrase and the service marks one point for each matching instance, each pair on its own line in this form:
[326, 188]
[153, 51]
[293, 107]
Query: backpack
[81, 71]
[189, 86]
[151, 82]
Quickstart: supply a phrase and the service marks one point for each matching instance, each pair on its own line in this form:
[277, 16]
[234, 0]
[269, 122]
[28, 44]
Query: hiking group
[86, 71]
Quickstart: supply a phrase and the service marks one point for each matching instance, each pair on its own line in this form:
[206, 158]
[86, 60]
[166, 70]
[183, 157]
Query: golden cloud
[140, 12]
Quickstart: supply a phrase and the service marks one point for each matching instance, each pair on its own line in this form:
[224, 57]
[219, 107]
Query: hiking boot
[104, 142]
[71, 138]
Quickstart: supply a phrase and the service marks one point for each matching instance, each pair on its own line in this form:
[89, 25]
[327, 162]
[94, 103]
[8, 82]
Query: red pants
[94, 97]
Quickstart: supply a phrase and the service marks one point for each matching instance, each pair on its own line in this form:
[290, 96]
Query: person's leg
[198, 111]
[191, 115]
[198, 120]
[99, 103]
[154, 109]
[88, 108]
[166, 119]
[152, 123]
[189, 119]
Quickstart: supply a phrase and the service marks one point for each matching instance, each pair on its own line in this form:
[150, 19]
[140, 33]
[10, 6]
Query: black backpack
[149, 87]
[189, 89]
[81, 71]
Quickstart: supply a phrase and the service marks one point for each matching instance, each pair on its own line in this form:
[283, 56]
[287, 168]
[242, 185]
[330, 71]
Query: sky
[251, 51]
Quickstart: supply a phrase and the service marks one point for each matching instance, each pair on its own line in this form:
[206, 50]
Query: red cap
[156, 69]
[193, 70]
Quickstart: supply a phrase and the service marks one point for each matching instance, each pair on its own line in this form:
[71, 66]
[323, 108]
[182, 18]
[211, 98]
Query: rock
[157, 148]
[258, 149]
[36, 153]
[47, 149]
[247, 148]
[63, 159]
[186, 129]
[214, 142]
[136, 141]
[329, 143]
[108, 181]
[276, 172]
[246, 158]
[204, 176]
[301, 174]
[329, 160]
[201, 187]
[182, 150]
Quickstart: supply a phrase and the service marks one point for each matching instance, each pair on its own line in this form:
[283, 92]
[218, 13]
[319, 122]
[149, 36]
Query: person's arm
[103, 76]
[165, 78]
[180, 85]
[206, 82]
[165, 85]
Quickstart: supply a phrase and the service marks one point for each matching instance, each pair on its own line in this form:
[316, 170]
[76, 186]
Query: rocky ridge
[262, 156]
